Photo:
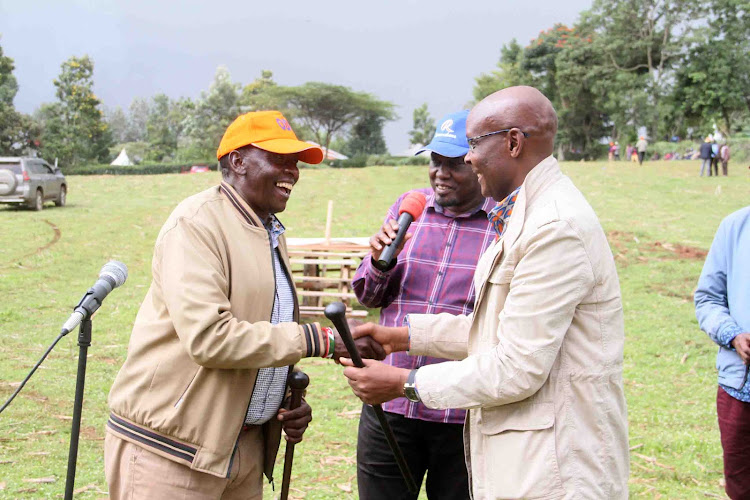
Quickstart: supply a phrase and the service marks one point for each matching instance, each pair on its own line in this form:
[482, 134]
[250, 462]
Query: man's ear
[515, 142]
[236, 163]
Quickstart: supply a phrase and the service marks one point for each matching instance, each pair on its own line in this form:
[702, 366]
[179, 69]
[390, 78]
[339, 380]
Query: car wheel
[38, 203]
[61, 198]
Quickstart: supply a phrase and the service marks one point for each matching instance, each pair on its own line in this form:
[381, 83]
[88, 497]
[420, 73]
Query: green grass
[648, 212]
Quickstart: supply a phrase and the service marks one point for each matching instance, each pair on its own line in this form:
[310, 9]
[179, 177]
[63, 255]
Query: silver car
[31, 181]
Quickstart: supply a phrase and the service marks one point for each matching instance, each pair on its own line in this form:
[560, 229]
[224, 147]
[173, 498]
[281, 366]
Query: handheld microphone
[410, 209]
[112, 275]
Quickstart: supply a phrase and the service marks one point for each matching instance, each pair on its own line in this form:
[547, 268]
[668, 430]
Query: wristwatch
[410, 387]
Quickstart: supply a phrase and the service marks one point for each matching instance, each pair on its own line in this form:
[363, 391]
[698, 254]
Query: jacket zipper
[273, 303]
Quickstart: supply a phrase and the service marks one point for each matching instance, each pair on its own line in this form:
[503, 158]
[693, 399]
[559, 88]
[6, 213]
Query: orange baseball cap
[269, 131]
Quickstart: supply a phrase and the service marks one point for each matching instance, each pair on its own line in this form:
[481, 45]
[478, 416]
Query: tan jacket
[541, 358]
[201, 335]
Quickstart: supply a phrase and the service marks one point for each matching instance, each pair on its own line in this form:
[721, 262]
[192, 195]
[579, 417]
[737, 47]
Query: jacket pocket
[520, 452]
[190, 384]
[501, 275]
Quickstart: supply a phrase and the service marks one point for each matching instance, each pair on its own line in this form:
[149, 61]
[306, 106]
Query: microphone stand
[84, 341]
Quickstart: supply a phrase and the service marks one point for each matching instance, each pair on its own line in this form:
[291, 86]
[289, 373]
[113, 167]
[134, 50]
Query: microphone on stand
[411, 208]
[112, 275]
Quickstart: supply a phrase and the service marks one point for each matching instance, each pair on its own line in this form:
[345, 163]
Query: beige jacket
[541, 358]
[201, 335]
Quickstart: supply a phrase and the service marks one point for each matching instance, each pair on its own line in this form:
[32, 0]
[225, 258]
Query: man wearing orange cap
[196, 409]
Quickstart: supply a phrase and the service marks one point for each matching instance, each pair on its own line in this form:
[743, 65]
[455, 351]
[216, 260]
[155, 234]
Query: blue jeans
[706, 161]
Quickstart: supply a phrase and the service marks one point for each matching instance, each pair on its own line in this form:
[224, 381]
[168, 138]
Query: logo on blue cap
[450, 136]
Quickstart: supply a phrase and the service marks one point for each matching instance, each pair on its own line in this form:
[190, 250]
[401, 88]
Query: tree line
[75, 130]
[674, 68]
[671, 68]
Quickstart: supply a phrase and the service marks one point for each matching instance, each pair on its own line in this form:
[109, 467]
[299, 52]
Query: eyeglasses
[475, 140]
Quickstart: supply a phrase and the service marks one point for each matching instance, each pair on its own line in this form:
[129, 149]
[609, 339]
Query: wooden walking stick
[298, 383]
[336, 312]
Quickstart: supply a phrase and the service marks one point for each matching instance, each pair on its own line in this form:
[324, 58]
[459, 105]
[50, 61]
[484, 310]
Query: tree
[509, 72]
[643, 39]
[212, 114]
[118, 124]
[326, 109]
[366, 136]
[73, 127]
[423, 126]
[258, 95]
[137, 118]
[16, 129]
[713, 79]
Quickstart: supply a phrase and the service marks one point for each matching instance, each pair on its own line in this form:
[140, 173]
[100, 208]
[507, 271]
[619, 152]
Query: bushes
[360, 161]
[143, 169]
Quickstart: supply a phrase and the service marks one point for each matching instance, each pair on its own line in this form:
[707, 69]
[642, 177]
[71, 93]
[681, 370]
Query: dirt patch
[57, 234]
[629, 249]
[681, 251]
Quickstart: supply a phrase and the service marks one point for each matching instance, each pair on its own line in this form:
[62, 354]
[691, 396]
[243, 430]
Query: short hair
[224, 160]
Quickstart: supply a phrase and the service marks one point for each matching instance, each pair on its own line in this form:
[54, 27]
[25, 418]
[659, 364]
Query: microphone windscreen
[413, 204]
[115, 272]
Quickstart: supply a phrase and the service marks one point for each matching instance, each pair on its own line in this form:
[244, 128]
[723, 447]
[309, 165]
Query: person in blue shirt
[722, 306]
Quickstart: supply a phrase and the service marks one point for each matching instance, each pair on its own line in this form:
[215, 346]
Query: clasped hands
[377, 382]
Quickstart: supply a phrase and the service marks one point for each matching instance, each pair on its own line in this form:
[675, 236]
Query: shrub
[143, 169]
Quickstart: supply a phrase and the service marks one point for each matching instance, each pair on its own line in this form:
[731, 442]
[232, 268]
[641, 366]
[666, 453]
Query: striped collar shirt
[434, 274]
[270, 385]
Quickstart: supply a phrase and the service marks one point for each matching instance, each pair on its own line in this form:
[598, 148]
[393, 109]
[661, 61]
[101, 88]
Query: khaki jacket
[201, 335]
[541, 358]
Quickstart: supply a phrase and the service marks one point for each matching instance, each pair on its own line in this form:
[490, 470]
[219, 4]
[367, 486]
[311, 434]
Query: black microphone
[112, 275]
[411, 208]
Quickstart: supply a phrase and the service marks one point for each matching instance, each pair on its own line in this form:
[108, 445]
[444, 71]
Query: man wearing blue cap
[432, 274]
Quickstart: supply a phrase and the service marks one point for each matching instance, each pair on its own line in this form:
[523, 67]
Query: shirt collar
[500, 215]
[275, 229]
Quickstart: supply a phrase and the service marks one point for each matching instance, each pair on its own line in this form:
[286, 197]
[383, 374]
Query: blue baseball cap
[450, 136]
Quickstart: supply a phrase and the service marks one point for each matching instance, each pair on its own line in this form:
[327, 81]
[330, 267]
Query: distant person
[432, 274]
[724, 158]
[628, 152]
[722, 306]
[198, 407]
[715, 158]
[617, 151]
[641, 146]
[705, 152]
[611, 152]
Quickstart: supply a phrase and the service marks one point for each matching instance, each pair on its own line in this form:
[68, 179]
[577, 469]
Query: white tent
[122, 159]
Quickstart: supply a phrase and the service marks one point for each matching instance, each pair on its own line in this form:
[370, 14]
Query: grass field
[660, 219]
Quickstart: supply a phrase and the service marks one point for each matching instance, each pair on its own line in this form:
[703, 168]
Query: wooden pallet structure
[322, 272]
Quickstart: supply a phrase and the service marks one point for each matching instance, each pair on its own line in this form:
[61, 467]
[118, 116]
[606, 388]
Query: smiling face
[265, 180]
[455, 185]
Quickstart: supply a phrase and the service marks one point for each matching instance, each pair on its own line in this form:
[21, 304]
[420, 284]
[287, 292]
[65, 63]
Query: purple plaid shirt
[434, 274]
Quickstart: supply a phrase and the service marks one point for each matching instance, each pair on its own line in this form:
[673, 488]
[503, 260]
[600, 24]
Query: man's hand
[384, 237]
[377, 382]
[294, 422]
[741, 344]
[368, 348]
[393, 339]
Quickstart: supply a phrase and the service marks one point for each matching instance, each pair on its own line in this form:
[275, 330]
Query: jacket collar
[536, 182]
[538, 179]
[240, 205]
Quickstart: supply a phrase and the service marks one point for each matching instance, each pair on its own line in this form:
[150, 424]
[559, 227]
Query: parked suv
[31, 181]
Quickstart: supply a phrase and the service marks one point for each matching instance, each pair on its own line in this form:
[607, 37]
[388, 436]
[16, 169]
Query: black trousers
[431, 447]
[641, 155]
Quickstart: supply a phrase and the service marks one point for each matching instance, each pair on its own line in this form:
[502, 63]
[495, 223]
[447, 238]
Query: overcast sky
[407, 52]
